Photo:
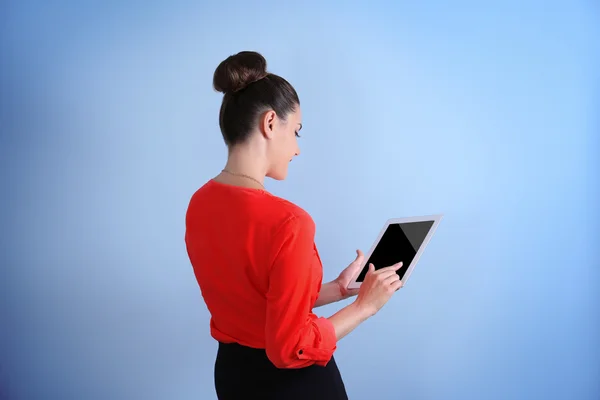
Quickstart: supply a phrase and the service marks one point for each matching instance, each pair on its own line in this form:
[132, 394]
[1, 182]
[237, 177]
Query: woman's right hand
[378, 287]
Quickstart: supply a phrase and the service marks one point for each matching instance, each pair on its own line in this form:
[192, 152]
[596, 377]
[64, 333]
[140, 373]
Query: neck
[248, 160]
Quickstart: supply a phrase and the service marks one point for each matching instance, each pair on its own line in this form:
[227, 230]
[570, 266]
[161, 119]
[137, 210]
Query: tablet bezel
[436, 218]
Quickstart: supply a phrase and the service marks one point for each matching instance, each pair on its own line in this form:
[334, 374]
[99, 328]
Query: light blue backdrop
[487, 113]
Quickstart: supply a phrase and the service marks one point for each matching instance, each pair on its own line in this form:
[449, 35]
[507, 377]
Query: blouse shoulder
[294, 217]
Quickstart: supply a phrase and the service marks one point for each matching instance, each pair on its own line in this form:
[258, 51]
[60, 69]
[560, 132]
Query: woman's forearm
[330, 293]
[348, 318]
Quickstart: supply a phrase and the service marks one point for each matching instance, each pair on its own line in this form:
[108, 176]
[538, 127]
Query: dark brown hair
[249, 90]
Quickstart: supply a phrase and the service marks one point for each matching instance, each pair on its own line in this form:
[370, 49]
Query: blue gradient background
[487, 113]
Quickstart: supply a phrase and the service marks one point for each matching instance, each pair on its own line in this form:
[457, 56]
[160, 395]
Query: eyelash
[297, 134]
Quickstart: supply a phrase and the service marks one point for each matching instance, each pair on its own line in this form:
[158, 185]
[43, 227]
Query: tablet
[401, 239]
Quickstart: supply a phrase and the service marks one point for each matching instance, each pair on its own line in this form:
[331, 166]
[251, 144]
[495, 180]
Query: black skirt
[245, 373]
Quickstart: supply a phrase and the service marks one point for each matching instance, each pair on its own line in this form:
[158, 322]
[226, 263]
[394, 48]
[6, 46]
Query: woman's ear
[267, 124]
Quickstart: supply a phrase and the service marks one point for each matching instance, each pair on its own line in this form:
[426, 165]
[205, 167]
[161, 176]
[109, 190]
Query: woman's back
[234, 237]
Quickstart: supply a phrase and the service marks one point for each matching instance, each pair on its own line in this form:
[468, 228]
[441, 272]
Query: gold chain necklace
[243, 176]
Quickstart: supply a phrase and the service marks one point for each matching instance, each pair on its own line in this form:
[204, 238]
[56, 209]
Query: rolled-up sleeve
[296, 337]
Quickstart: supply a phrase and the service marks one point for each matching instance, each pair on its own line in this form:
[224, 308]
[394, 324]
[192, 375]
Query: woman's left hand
[343, 280]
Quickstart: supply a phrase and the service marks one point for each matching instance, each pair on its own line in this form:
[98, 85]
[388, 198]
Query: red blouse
[259, 273]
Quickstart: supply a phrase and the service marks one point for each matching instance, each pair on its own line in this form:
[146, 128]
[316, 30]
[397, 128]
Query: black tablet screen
[400, 242]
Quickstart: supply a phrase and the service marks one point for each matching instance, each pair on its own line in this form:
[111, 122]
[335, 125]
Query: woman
[254, 255]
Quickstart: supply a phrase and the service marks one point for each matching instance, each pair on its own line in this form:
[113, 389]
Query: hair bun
[238, 71]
